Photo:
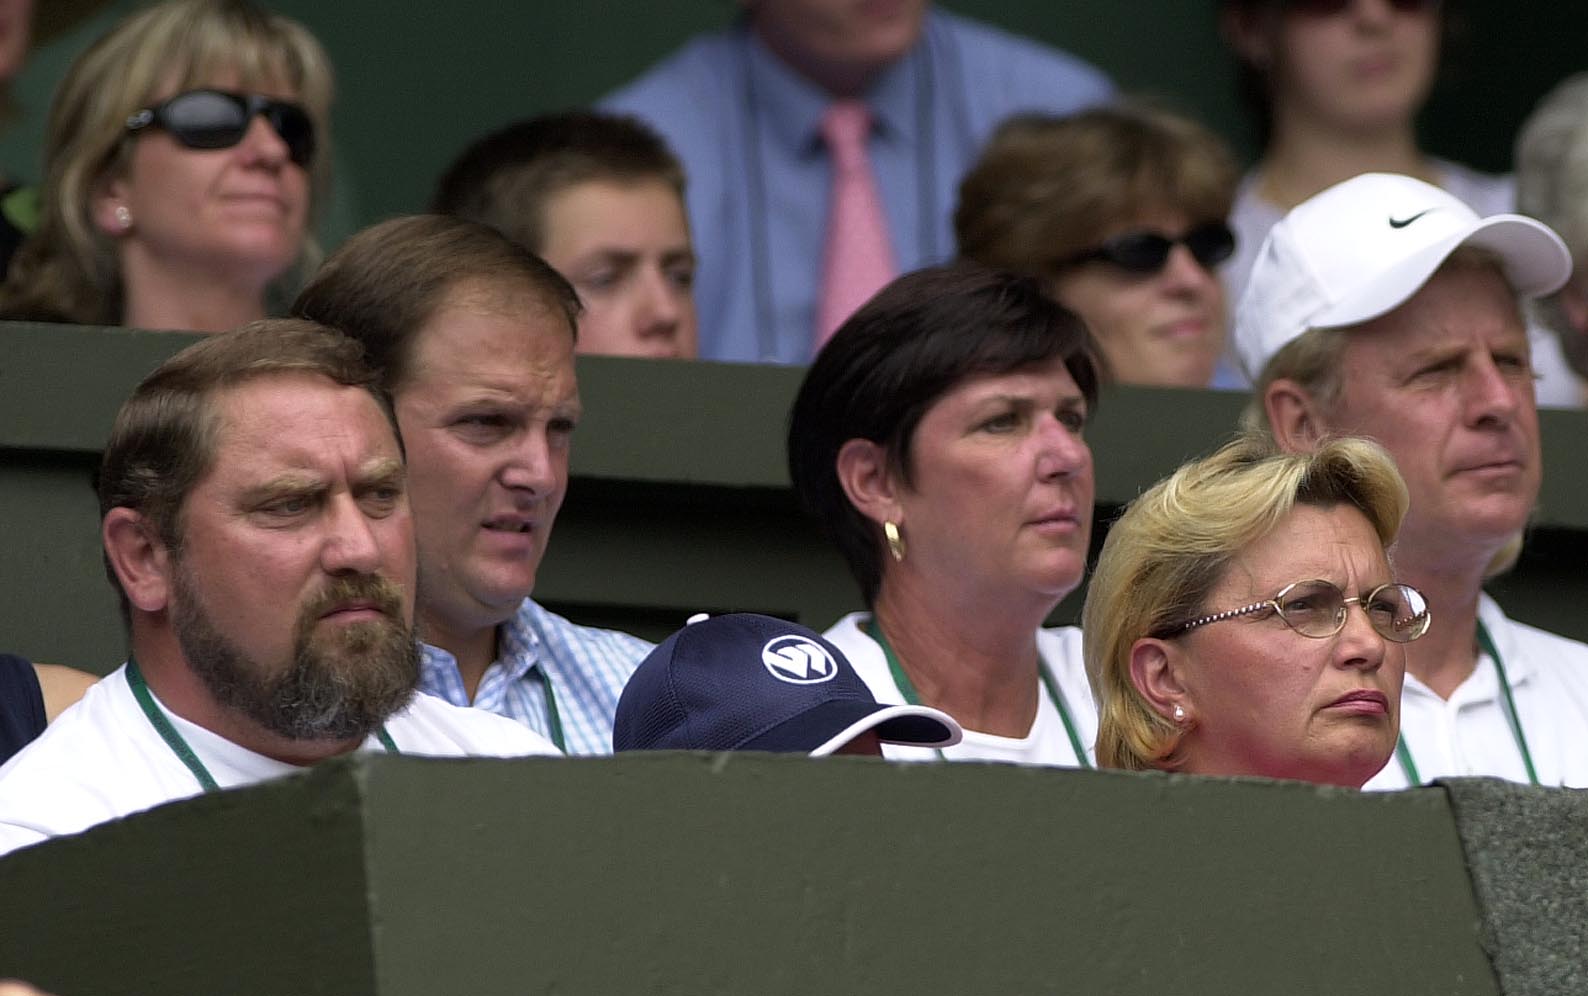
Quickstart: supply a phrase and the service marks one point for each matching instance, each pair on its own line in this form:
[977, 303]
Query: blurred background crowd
[965, 231]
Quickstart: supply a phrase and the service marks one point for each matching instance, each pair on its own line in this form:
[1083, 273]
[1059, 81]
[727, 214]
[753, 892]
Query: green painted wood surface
[740, 874]
[262, 891]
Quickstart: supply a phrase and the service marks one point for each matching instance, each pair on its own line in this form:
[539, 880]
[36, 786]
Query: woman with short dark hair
[938, 439]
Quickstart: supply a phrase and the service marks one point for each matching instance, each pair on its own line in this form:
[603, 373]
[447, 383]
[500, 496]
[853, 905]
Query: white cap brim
[951, 732]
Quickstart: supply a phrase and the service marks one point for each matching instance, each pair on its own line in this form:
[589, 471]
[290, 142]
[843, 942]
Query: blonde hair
[1172, 546]
[1047, 188]
[67, 270]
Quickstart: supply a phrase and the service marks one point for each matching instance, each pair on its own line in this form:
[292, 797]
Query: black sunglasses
[218, 119]
[1146, 252]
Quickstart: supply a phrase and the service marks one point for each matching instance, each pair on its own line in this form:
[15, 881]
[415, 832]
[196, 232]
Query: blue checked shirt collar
[587, 669]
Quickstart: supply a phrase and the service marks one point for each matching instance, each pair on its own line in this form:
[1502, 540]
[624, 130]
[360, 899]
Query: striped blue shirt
[586, 669]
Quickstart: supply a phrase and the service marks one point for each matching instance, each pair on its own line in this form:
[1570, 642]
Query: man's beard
[338, 685]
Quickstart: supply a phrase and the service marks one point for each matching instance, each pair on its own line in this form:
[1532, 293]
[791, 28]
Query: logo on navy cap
[798, 661]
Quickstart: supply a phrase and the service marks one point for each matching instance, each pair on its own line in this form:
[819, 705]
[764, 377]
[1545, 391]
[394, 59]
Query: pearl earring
[123, 216]
[1179, 713]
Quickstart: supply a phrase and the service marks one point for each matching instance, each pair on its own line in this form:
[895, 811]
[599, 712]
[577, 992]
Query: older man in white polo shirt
[1384, 307]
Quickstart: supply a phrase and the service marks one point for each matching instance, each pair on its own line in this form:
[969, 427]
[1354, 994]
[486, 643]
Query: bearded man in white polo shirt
[256, 522]
[1383, 307]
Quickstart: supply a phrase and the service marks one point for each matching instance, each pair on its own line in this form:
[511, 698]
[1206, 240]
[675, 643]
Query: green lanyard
[1403, 753]
[907, 688]
[553, 717]
[179, 746]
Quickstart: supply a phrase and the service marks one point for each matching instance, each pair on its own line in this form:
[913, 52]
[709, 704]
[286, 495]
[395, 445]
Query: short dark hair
[504, 179]
[921, 336]
[164, 438]
[383, 284]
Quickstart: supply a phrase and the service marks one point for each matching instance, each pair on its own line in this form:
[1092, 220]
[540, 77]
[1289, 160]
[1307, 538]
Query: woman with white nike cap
[938, 439]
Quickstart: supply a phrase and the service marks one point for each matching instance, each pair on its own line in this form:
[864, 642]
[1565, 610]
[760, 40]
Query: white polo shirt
[1048, 741]
[103, 759]
[1468, 734]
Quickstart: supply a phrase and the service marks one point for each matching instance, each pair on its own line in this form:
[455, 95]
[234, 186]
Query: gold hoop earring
[895, 541]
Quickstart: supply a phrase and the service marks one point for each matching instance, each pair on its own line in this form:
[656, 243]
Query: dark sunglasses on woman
[218, 119]
[1146, 252]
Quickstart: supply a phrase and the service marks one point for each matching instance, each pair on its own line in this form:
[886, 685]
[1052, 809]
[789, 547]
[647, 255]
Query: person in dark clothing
[21, 705]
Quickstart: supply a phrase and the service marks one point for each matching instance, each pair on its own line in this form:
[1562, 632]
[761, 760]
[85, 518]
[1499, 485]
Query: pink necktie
[857, 259]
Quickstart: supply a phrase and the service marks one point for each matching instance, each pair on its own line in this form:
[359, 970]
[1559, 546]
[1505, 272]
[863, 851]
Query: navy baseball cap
[752, 682]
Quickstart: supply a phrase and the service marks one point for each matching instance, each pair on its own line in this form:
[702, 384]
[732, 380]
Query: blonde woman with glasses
[1244, 618]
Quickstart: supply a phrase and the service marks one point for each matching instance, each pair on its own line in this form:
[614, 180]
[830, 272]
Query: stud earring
[123, 216]
[895, 541]
[1179, 714]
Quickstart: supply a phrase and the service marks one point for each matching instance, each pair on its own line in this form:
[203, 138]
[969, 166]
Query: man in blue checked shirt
[474, 338]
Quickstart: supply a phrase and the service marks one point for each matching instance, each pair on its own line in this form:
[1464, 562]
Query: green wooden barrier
[736, 874]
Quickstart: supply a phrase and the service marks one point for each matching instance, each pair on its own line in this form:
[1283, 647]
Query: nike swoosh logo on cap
[1403, 222]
